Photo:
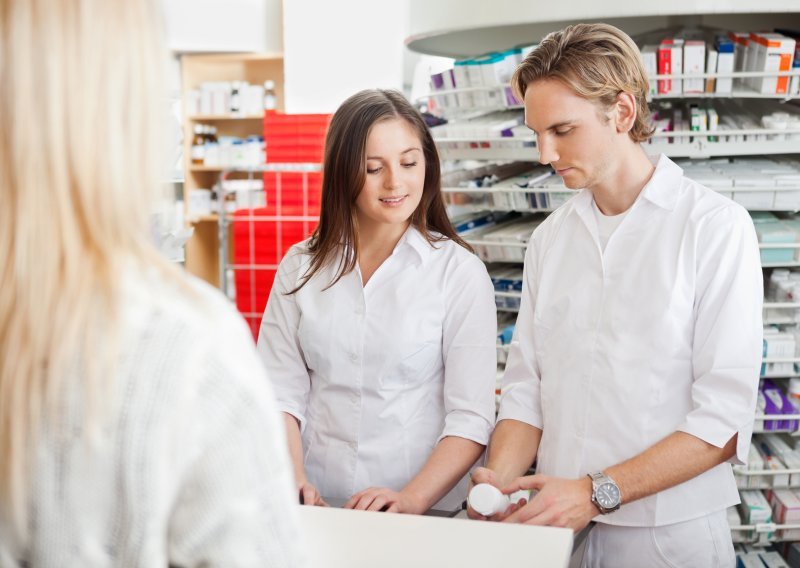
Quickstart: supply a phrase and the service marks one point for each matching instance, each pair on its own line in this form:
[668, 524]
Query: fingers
[373, 499]
[483, 475]
[525, 512]
[309, 495]
[475, 516]
[378, 503]
[527, 483]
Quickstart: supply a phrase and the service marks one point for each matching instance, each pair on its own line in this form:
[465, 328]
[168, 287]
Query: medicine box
[725, 64]
[785, 506]
[754, 508]
[772, 52]
[650, 62]
[670, 62]
[694, 59]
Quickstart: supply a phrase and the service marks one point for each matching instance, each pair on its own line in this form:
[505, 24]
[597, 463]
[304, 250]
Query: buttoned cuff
[468, 425]
[522, 402]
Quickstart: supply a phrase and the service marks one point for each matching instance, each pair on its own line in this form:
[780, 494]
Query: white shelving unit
[470, 30]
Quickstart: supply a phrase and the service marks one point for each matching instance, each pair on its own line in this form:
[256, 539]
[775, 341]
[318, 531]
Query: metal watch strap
[598, 478]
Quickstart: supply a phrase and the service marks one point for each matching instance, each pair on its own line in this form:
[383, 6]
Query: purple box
[777, 403]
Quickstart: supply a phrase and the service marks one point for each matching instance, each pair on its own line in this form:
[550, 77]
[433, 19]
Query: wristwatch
[605, 493]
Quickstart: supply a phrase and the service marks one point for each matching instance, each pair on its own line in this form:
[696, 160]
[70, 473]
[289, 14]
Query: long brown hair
[344, 174]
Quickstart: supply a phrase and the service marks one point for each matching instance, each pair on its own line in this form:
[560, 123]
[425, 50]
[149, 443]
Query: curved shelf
[464, 28]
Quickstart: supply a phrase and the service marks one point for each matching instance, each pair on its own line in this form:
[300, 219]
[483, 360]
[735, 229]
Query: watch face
[607, 495]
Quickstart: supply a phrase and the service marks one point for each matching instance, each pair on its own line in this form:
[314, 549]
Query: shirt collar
[661, 189]
[414, 239]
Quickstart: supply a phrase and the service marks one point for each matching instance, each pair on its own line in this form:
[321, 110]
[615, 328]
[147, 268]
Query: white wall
[223, 25]
[334, 48]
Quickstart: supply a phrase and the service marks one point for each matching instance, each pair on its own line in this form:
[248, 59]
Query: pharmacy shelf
[778, 245]
[490, 243]
[777, 416]
[735, 93]
[698, 148]
[764, 472]
[743, 94]
[765, 360]
[209, 218]
[480, 208]
[564, 189]
[781, 305]
[499, 294]
[764, 527]
[508, 189]
[780, 264]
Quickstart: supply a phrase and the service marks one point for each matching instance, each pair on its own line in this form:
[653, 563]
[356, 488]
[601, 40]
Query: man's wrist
[588, 490]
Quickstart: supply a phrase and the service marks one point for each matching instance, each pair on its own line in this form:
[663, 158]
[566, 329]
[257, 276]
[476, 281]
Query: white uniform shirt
[606, 224]
[613, 352]
[378, 374]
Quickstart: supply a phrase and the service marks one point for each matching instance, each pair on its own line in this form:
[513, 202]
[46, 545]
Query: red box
[292, 138]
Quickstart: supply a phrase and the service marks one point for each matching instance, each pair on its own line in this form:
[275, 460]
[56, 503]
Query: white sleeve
[469, 352]
[235, 499]
[279, 344]
[520, 394]
[727, 344]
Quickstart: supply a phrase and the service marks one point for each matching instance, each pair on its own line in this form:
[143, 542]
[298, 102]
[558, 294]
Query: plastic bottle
[235, 98]
[270, 98]
[487, 500]
[198, 145]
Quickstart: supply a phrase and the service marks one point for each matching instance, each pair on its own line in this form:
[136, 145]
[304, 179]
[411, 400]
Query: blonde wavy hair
[80, 97]
[598, 62]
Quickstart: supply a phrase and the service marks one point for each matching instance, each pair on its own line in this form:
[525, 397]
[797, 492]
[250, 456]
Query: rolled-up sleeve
[520, 395]
[469, 352]
[727, 344]
[278, 342]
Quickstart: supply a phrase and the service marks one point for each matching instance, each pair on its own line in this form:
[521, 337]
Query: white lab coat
[615, 351]
[378, 374]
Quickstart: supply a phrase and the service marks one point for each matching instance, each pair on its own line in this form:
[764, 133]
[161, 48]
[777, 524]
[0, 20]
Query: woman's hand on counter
[309, 495]
[383, 499]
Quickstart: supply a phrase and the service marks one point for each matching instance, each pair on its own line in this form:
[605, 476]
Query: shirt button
[353, 357]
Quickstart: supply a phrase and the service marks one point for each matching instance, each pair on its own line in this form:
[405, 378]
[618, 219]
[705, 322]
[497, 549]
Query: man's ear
[624, 112]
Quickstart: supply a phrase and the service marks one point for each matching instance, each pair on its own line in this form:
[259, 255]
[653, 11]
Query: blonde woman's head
[80, 98]
[596, 61]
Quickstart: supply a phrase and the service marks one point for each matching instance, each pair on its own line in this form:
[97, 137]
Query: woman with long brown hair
[379, 333]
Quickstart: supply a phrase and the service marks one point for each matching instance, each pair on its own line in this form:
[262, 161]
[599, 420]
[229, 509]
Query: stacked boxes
[770, 52]
[293, 138]
[262, 235]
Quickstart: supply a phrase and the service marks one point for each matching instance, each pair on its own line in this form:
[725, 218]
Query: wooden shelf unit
[202, 250]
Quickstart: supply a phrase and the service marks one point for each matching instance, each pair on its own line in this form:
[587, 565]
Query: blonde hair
[79, 171]
[598, 62]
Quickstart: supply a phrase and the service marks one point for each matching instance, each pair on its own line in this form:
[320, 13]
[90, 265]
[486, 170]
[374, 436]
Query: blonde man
[633, 375]
[137, 426]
